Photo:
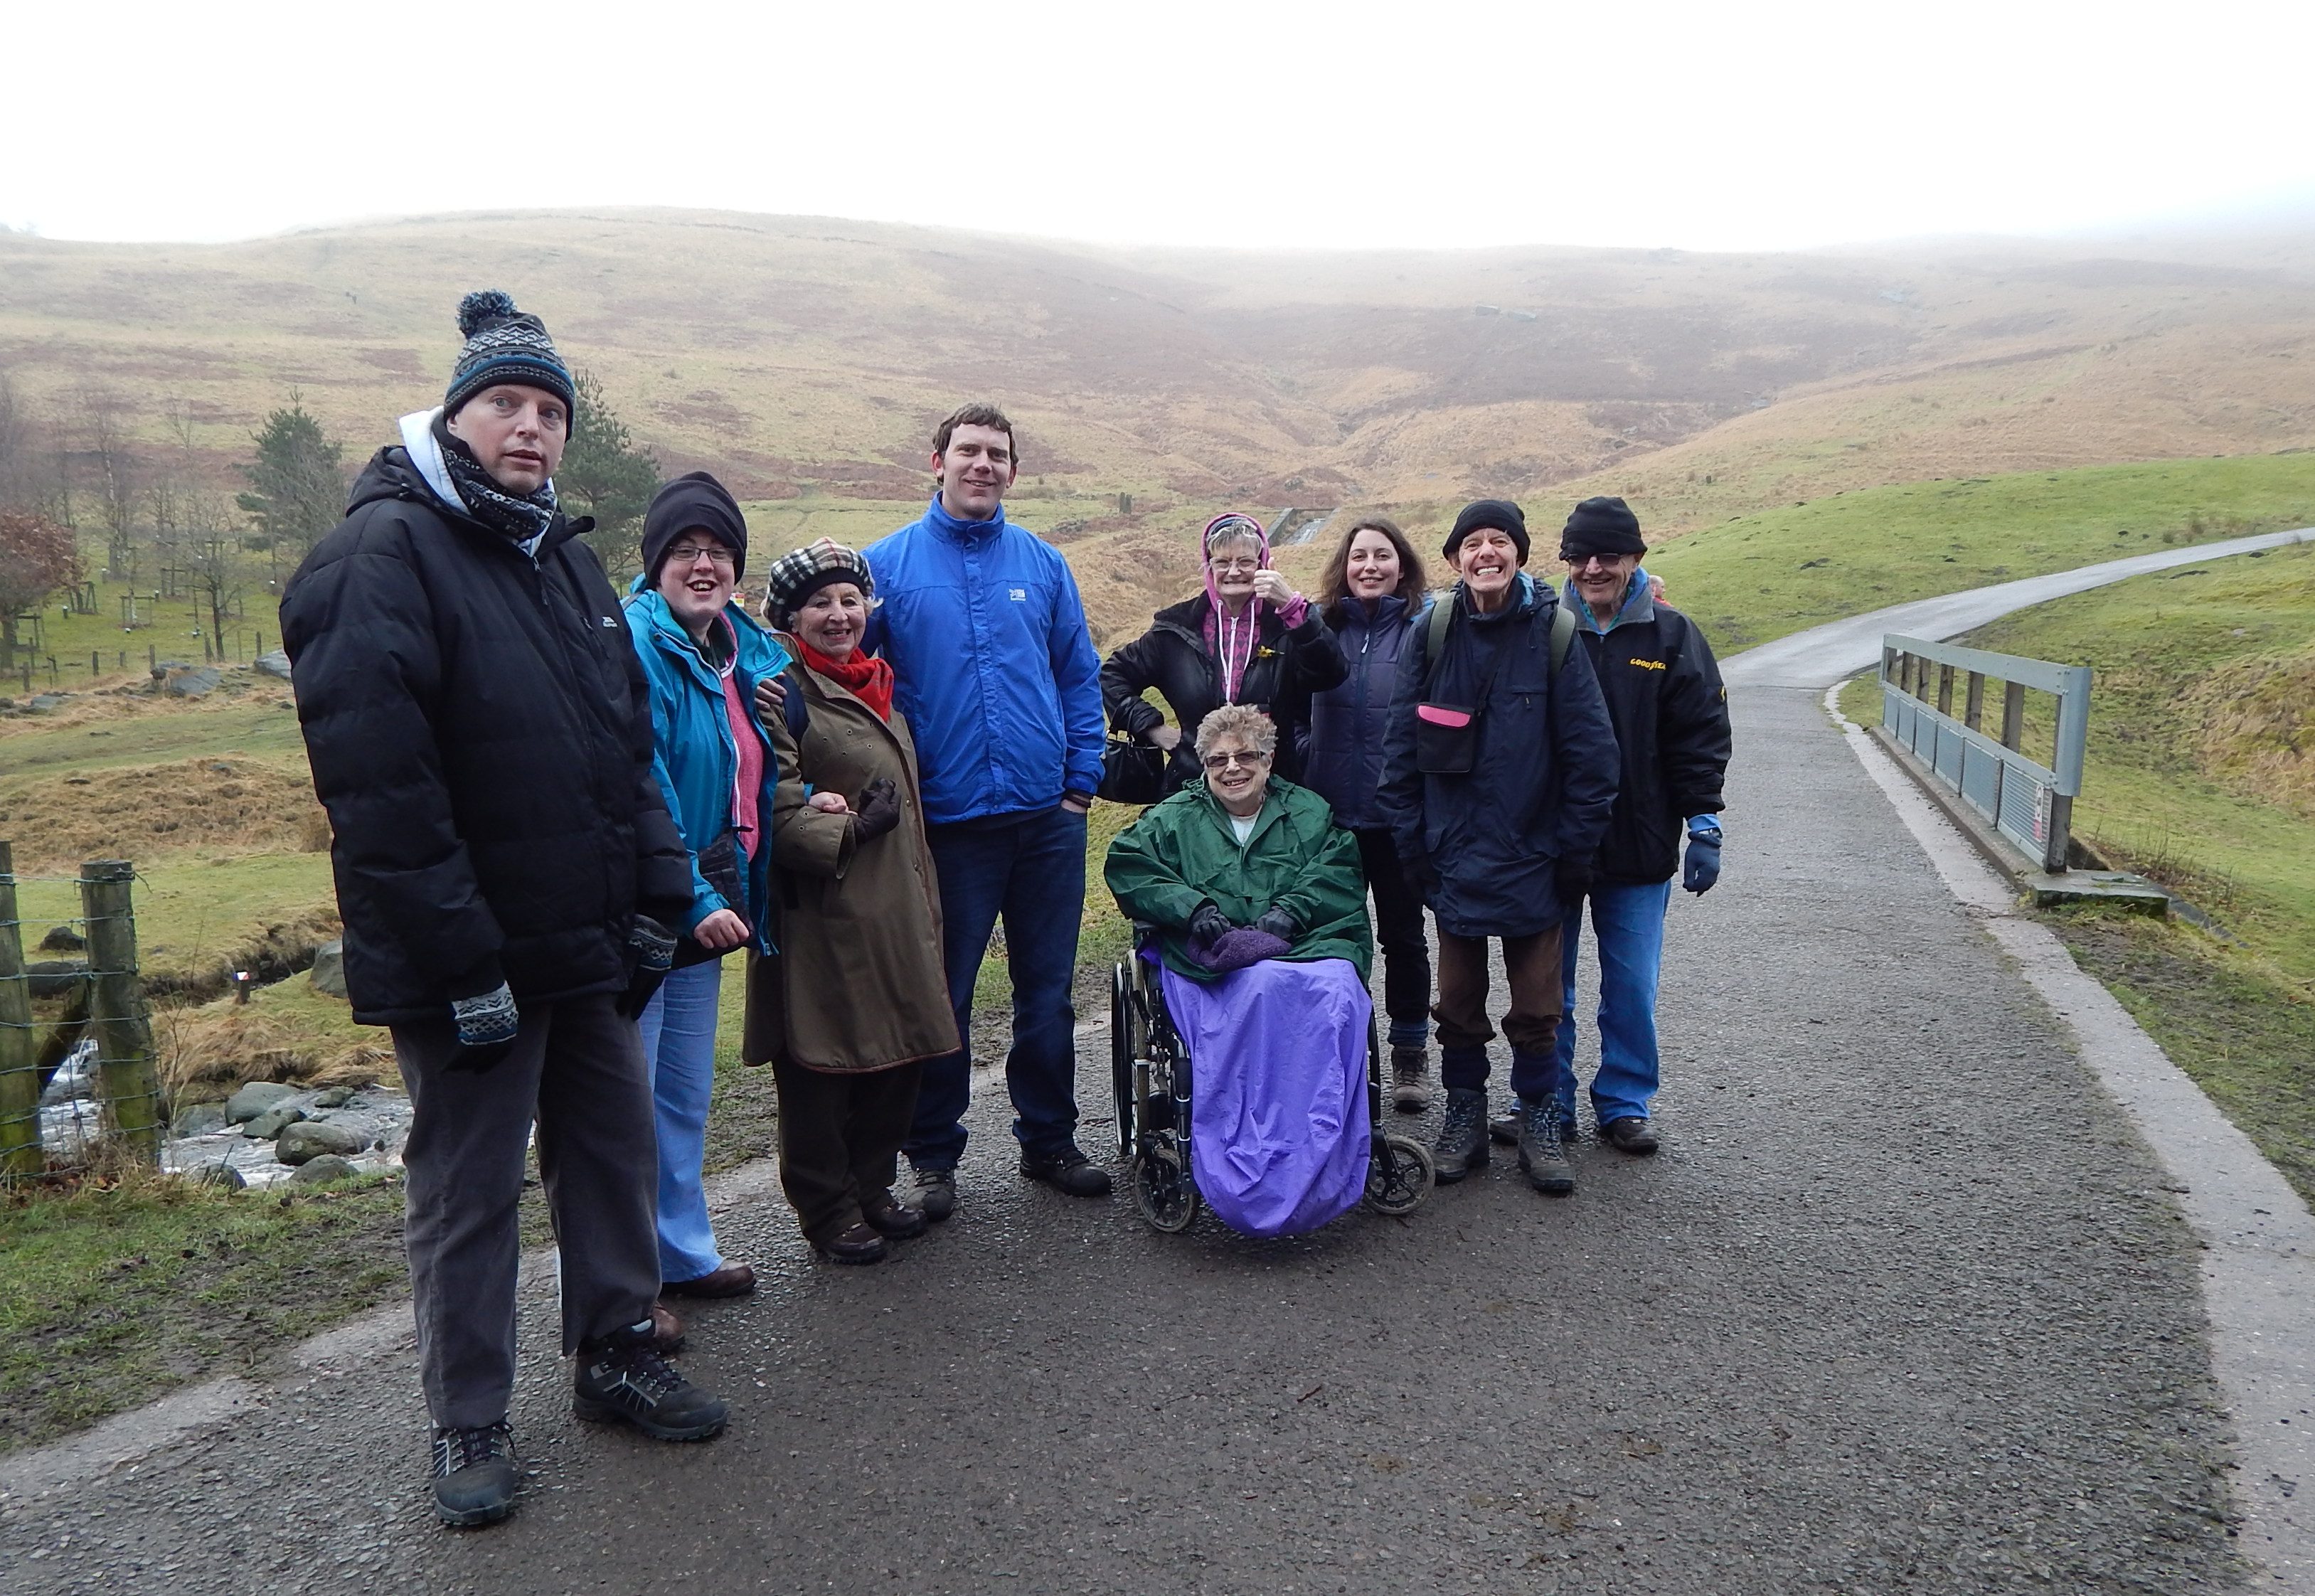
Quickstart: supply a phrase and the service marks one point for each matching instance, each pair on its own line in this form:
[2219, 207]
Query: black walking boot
[1541, 1152]
[1462, 1144]
[1068, 1170]
[475, 1475]
[621, 1378]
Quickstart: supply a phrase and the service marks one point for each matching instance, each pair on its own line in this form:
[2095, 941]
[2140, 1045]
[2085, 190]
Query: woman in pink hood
[1249, 638]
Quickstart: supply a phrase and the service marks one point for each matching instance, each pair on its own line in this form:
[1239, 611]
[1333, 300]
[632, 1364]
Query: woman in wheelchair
[1258, 907]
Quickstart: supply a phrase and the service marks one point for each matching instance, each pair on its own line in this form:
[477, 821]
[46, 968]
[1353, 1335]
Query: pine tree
[297, 487]
[605, 475]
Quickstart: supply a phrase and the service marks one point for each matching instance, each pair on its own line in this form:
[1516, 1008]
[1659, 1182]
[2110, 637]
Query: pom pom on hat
[481, 307]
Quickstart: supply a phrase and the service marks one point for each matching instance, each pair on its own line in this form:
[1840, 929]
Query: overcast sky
[1425, 122]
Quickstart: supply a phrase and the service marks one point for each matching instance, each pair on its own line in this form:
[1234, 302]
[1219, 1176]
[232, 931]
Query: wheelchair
[1151, 1072]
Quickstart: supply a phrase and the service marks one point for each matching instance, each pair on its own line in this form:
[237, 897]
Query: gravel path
[1902, 1306]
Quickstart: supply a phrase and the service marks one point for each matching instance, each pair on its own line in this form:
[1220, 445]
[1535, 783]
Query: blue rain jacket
[992, 665]
[693, 753]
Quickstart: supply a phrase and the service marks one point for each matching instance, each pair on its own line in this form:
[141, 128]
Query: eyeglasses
[1223, 761]
[1236, 565]
[1605, 562]
[685, 553]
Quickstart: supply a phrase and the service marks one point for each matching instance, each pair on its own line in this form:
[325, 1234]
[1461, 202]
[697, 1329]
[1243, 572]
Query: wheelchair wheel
[1398, 1176]
[1162, 1190]
[1121, 1053]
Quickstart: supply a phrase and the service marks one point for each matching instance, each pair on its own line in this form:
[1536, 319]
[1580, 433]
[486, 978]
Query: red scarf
[865, 677]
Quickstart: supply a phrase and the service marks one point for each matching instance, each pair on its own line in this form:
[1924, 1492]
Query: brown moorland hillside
[805, 357]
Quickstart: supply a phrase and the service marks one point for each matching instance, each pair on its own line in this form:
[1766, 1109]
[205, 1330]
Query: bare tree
[105, 432]
[19, 468]
[207, 549]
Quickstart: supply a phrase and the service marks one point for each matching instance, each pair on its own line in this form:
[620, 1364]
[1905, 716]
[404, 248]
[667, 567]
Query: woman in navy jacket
[1369, 594]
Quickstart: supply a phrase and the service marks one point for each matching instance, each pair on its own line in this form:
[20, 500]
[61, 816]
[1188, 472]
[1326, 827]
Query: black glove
[1575, 880]
[651, 951]
[1209, 924]
[487, 1025]
[1278, 922]
[877, 811]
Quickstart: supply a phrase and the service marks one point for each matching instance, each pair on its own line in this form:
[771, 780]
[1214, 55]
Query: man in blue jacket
[998, 678]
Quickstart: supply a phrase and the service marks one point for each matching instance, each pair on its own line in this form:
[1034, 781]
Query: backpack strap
[1563, 635]
[1434, 640]
[1442, 612]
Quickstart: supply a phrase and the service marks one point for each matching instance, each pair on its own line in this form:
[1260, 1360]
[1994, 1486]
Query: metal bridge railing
[2030, 804]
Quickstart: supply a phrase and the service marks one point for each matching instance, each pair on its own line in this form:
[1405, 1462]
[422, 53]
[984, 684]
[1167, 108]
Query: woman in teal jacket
[702, 655]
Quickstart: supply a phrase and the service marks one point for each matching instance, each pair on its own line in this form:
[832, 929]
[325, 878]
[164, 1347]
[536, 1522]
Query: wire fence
[78, 1078]
[34, 667]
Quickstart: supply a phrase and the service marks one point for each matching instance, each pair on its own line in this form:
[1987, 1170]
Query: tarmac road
[1902, 1306]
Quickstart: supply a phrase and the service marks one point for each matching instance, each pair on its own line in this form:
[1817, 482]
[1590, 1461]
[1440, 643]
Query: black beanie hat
[1601, 526]
[692, 502]
[504, 345]
[1499, 513]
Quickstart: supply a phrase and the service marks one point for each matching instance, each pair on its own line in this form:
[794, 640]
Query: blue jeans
[1627, 923]
[1032, 875]
[679, 1030]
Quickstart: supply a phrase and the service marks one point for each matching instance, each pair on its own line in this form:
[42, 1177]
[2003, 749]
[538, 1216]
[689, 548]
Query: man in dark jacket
[1670, 714]
[479, 733]
[1499, 772]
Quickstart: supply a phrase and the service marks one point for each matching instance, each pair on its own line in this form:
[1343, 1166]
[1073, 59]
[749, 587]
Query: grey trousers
[577, 1068]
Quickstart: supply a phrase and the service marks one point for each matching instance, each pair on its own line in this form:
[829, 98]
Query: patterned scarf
[523, 520]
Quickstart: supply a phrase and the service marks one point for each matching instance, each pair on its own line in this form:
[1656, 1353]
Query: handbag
[1131, 772]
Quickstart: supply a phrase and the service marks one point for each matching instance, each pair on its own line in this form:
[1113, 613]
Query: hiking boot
[1068, 1170]
[1462, 1144]
[891, 1219]
[667, 1330]
[855, 1243]
[1630, 1134]
[1504, 1131]
[1410, 1079]
[935, 1193]
[621, 1378]
[475, 1475]
[1542, 1152]
[732, 1280]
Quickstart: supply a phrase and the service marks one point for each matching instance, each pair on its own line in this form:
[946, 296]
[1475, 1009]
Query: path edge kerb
[2256, 1234]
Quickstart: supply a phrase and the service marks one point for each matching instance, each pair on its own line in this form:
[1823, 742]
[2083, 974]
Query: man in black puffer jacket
[1671, 716]
[479, 733]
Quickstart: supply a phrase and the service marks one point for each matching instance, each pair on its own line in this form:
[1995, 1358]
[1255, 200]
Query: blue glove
[1702, 867]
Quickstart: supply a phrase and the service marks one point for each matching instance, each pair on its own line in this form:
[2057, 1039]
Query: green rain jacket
[1182, 852]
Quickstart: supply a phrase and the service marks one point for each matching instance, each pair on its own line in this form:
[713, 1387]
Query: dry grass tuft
[285, 1032]
[238, 805]
[2257, 720]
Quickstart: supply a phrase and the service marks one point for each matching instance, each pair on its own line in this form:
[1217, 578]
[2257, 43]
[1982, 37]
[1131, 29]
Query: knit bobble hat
[1499, 513]
[504, 345]
[1601, 526]
[694, 502]
[798, 574]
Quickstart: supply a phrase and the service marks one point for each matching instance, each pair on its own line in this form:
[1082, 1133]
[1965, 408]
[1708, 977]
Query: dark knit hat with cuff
[1601, 526]
[799, 573]
[1499, 513]
[504, 345]
[692, 502]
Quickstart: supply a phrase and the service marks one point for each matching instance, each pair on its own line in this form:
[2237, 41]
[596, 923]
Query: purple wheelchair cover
[1278, 1133]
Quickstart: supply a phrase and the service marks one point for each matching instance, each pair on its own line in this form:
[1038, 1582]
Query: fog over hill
[803, 356]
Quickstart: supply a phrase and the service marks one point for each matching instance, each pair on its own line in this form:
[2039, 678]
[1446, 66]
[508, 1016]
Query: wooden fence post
[19, 1081]
[117, 1013]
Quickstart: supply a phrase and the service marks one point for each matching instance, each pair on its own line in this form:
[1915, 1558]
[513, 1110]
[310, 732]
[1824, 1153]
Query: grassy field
[1757, 579]
[2201, 775]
